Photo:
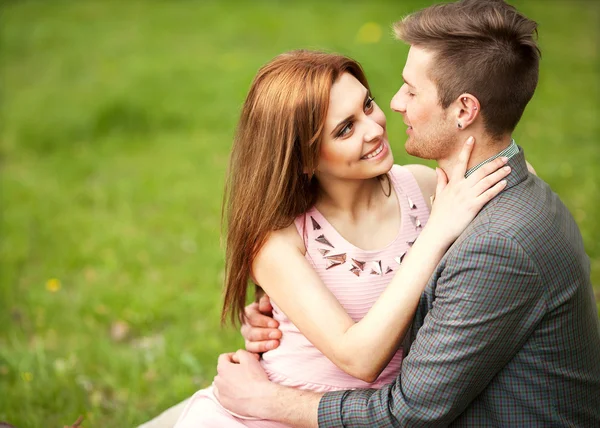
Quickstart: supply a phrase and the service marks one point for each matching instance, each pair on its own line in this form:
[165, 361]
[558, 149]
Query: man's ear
[467, 110]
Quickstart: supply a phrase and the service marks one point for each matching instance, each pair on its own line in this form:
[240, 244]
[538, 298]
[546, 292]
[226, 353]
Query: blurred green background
[116, 124]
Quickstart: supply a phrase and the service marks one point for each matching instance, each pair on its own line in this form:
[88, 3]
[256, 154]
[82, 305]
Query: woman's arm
[363, 349]
[260, 331]
[530, 168]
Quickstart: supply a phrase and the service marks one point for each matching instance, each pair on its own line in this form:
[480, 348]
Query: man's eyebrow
[407, 82]
[339, 126]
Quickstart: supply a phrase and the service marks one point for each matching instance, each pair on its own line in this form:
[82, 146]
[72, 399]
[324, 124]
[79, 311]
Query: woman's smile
[378, 152]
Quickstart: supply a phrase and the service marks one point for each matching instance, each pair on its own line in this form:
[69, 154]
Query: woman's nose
[375, 130]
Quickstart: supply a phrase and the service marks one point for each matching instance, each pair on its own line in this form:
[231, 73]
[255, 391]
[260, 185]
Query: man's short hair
[482, 47]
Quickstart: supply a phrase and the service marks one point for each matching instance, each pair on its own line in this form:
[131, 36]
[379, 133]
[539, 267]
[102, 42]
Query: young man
[507, 332]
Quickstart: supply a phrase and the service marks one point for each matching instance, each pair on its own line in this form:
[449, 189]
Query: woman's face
[355, 144]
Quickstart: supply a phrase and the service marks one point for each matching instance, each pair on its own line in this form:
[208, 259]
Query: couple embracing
[400, 296]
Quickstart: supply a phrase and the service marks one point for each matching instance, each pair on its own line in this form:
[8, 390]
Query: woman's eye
[346, 130]
[369, 103]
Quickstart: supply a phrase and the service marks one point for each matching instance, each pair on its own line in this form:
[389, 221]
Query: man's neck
[484, 149]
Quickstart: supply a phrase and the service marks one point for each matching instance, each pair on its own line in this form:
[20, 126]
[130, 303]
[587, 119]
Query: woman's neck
[352, 197]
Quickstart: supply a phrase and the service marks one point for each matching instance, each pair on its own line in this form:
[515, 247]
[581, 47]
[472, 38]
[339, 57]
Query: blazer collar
[519, 171]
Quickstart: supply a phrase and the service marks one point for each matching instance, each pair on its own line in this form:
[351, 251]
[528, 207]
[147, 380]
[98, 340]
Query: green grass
[117, 119]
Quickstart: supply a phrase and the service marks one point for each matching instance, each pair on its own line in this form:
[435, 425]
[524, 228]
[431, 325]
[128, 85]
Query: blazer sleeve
[488, 300]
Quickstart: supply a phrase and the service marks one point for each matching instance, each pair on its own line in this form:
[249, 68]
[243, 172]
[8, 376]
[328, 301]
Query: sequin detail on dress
[400, 258]
[415, 221]
[315, 225]
[376, 268]
[335, 260]
[321, 239]
[359, 264]
[340, 258]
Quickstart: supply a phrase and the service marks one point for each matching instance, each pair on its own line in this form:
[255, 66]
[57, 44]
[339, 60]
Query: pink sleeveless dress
[356, 277]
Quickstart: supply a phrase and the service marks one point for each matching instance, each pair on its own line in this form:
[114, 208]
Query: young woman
[321, 219]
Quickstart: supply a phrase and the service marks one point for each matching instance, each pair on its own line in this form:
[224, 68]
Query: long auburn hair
[275, 152]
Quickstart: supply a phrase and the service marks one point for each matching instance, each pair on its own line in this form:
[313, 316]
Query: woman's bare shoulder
[426, 178]
[286, 238]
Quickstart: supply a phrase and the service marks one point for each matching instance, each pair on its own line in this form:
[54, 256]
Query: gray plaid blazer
[506, 333]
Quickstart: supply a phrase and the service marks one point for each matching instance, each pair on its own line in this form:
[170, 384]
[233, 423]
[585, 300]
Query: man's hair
[482, 47]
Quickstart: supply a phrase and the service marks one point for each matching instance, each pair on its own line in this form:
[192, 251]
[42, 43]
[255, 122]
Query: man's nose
[398, 104]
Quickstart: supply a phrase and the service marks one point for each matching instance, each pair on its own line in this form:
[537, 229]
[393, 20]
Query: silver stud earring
[474, 108]
[459, 125]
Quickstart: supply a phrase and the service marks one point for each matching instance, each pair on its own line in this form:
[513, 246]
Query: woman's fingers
[463, 159]
[487, 169]
[489, 194]
[487, 182]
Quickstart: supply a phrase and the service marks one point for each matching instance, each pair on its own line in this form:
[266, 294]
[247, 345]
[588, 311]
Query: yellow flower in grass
[27, 376]
[53, 285]
[369, 33]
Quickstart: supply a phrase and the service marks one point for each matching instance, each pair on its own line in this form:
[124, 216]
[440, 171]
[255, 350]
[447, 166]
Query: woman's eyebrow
[349, 118]
[340, 124]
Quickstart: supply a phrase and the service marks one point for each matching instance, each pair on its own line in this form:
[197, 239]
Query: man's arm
[243, 387]
[488, 301]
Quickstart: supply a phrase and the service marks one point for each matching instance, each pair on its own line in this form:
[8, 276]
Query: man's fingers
[256, 319]
[260, 347]
[224, 359]
[257, 334]
[463, 159]
[235, 358]
[242, 356]
[264, 305]
[262, 334]
[261, 340]
[258, 314]
[252, 308]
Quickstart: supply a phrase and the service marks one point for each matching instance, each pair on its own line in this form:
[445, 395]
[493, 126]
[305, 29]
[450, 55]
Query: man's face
[431, 132]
